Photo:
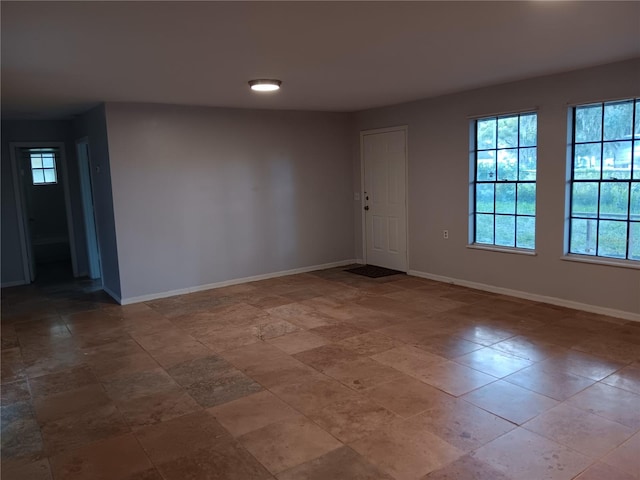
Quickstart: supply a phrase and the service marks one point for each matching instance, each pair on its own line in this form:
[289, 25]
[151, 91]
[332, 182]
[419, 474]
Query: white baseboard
[112, 294]
[15, 283]
[227, 283]
[531, 296]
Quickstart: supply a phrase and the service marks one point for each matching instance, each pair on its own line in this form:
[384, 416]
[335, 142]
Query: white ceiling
[59, 58]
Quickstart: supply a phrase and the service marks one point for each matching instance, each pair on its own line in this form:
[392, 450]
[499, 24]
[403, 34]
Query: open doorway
[45, 221]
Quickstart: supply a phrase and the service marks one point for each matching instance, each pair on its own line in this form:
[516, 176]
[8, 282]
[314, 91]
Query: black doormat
[373, 271]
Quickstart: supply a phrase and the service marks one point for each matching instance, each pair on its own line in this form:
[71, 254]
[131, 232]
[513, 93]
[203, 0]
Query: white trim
[15, 283]
[495, 248]
[227, 283]
[112, 294]
[363, 133]
[531, 296]
[610, 262]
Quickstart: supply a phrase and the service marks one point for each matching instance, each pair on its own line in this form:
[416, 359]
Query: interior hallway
[315, 376]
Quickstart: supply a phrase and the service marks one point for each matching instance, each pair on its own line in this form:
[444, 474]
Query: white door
[385, 209]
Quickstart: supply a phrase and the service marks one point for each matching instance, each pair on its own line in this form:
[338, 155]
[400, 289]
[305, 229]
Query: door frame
[363, 133]
[22, 214]
[92, 256]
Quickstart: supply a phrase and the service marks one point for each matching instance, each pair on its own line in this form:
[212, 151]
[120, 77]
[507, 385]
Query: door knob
[366, 207]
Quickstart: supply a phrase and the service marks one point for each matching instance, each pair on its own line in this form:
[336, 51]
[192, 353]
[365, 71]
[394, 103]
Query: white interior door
[385, 192]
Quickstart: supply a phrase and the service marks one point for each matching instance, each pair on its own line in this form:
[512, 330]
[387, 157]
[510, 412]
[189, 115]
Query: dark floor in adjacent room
[324, 375]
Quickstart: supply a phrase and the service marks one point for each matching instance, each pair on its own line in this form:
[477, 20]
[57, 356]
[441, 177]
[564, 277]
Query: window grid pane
[605, 180]
[43, 167]
[504, 185]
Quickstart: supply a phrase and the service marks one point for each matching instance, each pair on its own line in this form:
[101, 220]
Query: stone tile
[228, 386]
[313, 394]
[407, 359]
[327, 356]
[77, 430]
[118, 458]
[493, 362]
[13, 392]
[288, 443]
[349, 420]
[274, 329]
[252, 413]
[406, 451]
[21, 439]
[522, 454]
[121, 365]
[337, 332]
[252, 355]
[26, 470]
[369, 343]
[510, 401]
[579, 430]
[406, 396]
[62, 381]
[342, 463]
[601, 471]
[582, 364]
[453, 378]
[627, 378]
[229, 339]
[298, 342]
[280, 371]
[142, 411]
[181, 436]
[467, 468]
[197, 370]
[12, 367]
[174, 354]
[447, 346]
[461, 424]
[486, 335]
[71, 402]
[528, 348]
[138, 384]
[625, 457]
[611, 403]
[301, 315]
[558, 385]
[226, 461]
[362, 373]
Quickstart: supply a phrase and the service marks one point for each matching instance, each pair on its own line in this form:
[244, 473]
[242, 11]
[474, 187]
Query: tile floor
[325, 375]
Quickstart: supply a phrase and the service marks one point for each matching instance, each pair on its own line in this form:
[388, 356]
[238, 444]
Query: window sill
[495, 248]
[610, 262]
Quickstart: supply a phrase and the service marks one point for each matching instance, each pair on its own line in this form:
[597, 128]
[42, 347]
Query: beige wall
[207, 195]
[439, 186]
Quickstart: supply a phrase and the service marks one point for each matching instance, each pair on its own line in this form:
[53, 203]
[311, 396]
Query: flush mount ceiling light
[265, 85]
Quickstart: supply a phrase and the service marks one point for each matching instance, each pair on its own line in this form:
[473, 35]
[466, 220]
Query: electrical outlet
[445, 234]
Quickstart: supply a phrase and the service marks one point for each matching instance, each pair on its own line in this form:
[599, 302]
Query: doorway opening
[45, 220]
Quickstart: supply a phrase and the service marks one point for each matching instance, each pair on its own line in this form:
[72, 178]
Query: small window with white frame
[503, 193]
[43, 166]
[604, 183]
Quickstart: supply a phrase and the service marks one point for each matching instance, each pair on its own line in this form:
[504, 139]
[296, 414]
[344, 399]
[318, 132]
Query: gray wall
[93, 125]
[439, 186]
[205, 195]
[36, 131]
